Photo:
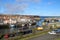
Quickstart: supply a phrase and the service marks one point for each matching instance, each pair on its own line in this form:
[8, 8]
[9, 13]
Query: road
[46, 37]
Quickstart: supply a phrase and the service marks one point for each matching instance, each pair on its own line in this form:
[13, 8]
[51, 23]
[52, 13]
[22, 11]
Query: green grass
[58, 39]
[35, 35]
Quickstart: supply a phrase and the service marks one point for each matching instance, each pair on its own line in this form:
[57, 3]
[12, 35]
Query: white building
[10, 21]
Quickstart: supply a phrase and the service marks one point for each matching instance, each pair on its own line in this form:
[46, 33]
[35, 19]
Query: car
[40, 28]
[56, 31]
[52, 32]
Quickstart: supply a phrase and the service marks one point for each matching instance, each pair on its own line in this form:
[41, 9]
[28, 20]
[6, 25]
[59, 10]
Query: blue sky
[30, 7]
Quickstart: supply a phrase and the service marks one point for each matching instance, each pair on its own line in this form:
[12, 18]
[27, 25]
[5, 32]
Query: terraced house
[17, 18]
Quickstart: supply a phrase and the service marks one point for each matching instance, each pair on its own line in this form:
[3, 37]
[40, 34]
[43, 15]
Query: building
[18, 18]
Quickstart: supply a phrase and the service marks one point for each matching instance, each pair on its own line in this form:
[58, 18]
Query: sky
[30, 7]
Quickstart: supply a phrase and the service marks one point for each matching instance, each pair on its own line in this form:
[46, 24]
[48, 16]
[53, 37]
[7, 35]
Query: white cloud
[18, 6]
[21, 1]
[49, 3]
[36, 1]
[13, 8]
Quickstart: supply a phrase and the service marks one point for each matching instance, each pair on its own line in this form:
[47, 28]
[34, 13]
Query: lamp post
[53, 27]
[12, 31]
[29, 25]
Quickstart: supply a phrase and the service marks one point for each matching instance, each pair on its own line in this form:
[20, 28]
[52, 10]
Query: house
[6, 21]
[12, 21]
[1, 21]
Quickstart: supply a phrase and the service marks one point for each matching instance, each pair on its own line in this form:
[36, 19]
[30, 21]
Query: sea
[43, 17]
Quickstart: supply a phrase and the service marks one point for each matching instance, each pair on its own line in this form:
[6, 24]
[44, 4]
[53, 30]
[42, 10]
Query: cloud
[19, 6]
[49, 3]
[15, 8]
[21, 1]
[36, 1]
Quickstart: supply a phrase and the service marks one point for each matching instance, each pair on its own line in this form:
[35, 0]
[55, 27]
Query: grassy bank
[58, 39]
[29, 36]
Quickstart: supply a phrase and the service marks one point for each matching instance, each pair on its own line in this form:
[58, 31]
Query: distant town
[14, 25]
[7, 19]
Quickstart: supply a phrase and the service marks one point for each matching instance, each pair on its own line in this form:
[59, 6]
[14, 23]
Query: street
[46, 37]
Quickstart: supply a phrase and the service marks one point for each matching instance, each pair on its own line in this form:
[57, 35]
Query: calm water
[40, 22]
[42, 19]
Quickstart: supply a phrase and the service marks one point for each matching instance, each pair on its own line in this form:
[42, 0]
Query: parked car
[40, 28]
[52, 32]
[56, 31]
[6, 29]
